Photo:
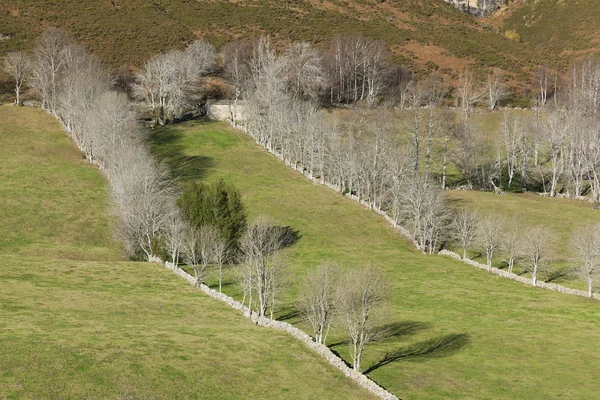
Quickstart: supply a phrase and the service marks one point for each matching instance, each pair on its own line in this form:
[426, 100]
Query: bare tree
[48, 65]
[465, 227]
[535, 247]
[425, 211]
[360, 295]
[513, 133]
[235, 67]
[316, 299]
[262, 270]
[169, 83]
[143, 193]
[191, 252]
[555, 130]
[221, 255]
[174, 236]
[303, 68]
[586, 243]
[17, 65]
[490, 228]
[209, 239]
[496, 89]
[511, 242]
[469, 92]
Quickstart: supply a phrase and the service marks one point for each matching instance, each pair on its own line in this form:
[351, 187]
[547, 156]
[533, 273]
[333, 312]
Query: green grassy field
[77, 321]
[464, 334]
[562, 216]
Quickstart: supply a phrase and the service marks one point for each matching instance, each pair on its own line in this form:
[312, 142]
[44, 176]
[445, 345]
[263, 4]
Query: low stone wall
[515, 277]
[318, 348]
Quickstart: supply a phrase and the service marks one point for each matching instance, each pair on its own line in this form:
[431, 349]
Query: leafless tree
[261, 269]
[316, 301]
[489, 236]
[48, 65]
[586, 243]
[511, 242]
[191, 251]
[17, 65]
[235, 67]
[513, 133]
[496, 89]
[535, 248]
[555, 130]
[361, 294]
[143, 193]
[169, 83]
[425, 211]
[175, 236]
[303, 68]
[469, 92]
[465, 228]
[221, 255]
[209, 240]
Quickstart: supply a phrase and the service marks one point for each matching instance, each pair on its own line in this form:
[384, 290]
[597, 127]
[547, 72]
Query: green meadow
[459, 332]
[79, 321]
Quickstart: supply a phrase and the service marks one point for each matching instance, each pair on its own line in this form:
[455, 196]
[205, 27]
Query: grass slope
[425, 35]
[76, 321]
[563, 29]
[462, 333]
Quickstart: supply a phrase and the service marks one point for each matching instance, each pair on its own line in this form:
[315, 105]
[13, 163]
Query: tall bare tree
[586, 243]
[535, 249]
[361, 294]
[465, 228]
[48, 66]
[496, 89]
[316, 301]
[511, 242]
[261, 268]
[489, 236]
[17, 65]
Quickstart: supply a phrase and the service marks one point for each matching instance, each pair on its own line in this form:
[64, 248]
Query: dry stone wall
[515, 277]
[318, 348]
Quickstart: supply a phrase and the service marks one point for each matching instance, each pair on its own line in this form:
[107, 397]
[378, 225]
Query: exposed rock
[479, 8]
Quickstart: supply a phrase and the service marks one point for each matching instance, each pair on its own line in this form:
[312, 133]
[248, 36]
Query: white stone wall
[318, 348]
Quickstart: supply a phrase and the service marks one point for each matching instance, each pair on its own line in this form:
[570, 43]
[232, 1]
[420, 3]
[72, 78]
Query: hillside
[77, 321]
[462, 332]
[563, 30]
[424, 34]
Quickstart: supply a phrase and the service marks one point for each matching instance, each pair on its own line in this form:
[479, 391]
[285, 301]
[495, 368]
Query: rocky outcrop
[479, 8]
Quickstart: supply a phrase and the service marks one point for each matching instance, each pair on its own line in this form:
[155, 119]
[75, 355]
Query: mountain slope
[424, 34]
[563, 30]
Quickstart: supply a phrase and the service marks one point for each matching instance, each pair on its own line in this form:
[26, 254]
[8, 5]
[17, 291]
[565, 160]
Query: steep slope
[424, 34]
[76, 321]
[564, 30]
[462, 333]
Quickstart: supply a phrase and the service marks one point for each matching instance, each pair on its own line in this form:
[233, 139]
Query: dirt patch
[435, 54]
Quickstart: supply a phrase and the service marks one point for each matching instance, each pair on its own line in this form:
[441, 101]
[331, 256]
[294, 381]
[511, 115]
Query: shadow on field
[442, 346]
[165, 143]
[391, 331]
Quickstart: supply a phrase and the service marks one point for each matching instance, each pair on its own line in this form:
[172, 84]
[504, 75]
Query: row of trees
[205, 225]
[531, 246]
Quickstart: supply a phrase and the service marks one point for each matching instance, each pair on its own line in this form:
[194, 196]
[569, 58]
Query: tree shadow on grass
[442, 346]
[166, 144]
[391, 331]
[288, 313]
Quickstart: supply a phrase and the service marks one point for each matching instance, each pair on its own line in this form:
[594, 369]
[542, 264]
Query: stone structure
[224, 110]
[479, 8]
